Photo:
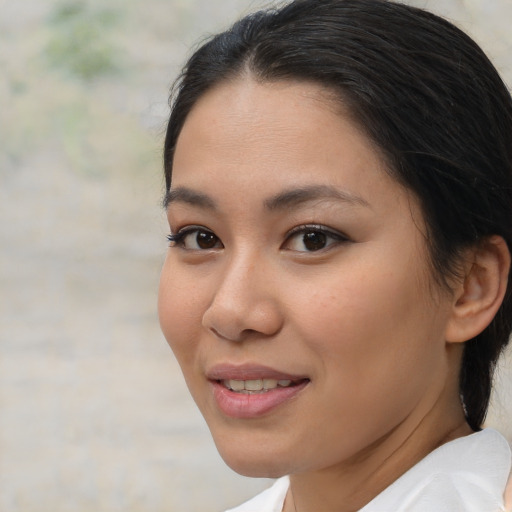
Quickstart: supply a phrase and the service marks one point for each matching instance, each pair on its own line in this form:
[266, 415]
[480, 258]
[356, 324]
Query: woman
[337, 287]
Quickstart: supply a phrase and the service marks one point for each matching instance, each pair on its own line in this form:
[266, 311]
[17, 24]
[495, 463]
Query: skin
[362, 318]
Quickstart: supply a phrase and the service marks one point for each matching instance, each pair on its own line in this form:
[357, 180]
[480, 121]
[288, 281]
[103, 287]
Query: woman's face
[296, 293]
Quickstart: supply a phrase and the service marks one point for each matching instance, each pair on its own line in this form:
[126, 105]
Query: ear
[479, 296]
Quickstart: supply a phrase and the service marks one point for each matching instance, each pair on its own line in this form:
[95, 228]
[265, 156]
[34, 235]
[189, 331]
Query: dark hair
[423, 92]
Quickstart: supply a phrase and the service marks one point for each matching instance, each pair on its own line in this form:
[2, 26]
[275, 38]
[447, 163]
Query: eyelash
[317, 228]
[178, 239]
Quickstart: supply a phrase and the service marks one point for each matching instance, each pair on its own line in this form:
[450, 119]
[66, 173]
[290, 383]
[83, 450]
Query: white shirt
[468, 474]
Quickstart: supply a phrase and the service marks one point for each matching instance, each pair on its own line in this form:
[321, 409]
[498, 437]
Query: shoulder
[468, 474]
[270, 500]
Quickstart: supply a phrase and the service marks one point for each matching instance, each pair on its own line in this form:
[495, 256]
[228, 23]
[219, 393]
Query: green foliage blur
[70, 93]
[81, 42]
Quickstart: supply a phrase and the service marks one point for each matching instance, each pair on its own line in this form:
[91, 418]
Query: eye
[312, 239]
[195, 238]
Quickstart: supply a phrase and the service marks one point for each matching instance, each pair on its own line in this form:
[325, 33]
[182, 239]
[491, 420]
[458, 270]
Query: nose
[245, 303]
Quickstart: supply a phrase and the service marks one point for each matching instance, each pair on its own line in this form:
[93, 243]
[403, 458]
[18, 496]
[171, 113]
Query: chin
[255, 463]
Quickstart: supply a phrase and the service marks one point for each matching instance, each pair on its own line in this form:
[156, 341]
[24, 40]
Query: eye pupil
[206, 240]
[314, 240]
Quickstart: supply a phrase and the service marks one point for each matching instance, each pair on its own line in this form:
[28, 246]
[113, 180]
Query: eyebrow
[297, 196]
[291, 198]
[188, 196]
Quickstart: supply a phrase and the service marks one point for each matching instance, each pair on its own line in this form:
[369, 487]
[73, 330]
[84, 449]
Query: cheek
[179, 311]
[368, 322]
[346, 306]
[373, 347]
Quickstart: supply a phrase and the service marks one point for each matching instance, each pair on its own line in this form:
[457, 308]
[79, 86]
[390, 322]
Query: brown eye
[195, 239]
[206, 240]
[314, 240]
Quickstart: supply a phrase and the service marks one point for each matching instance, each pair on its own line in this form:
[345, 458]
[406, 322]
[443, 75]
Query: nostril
[218, 334]
[235, 336]
[248, 313]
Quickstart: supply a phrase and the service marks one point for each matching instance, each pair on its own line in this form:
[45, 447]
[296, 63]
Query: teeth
[236, 385]
[269, 383]
[255, 385]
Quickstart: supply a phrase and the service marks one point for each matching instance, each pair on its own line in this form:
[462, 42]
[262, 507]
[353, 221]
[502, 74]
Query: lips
[251, 391]
[255, 385]
[249, 372]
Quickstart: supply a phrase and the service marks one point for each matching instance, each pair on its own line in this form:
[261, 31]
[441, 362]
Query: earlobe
[481, 293]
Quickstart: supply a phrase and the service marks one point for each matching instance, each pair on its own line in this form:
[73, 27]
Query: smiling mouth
[258, 386]
[253, 391]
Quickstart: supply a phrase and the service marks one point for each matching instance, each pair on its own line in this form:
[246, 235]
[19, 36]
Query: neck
[349, 486]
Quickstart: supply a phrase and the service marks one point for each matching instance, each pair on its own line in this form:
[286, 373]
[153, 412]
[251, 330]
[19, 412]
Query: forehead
[275, 129]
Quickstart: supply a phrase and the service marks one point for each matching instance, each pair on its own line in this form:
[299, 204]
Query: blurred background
[93, 411]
